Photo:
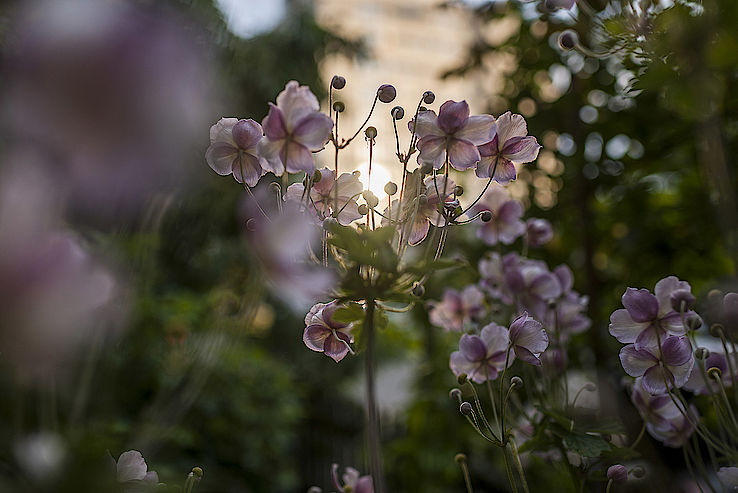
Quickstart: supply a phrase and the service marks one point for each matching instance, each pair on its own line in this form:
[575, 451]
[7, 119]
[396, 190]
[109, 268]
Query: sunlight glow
[380, 177]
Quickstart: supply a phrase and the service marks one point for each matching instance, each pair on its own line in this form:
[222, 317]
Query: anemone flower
[234, 150]
[512, 145]
[326, 335]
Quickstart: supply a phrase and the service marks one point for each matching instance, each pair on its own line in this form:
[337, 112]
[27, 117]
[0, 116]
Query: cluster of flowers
[532, 294]
[667, 352]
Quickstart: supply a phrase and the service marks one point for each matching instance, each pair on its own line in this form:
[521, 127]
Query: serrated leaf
[586, 445]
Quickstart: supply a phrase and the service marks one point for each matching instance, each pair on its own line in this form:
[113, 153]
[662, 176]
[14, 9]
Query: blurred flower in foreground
[664, 420]
[132, 472]
[457, 308]
[41, 455]
[506, 224]
[283, 243]
[352, 479]
[113, 91]
[52, 292]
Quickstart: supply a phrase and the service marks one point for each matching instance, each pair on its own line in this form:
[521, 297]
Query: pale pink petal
[432, 150]
[462, 154]
[296, 101]
[327, 180]
[672, 323]
[486, 166]
[131, 466]
[271, 151]
[250, 166]
[478, 129]
[295, 192]
[296, 157]
[222, 131]
[663, 290]
[427, 124]
[459, 364]
[521, 149]
[624, 328]
[349, 212]
[490, 149]
[220, 157]
[315, 336]
[510, 125]
[636, 361]
[495, 337]
[525, 355]
[349, 186]
[273, 124]
[505, 172]
[336, 346]
[654, 380]
[472, 347]
[313, 131]
[418, 231]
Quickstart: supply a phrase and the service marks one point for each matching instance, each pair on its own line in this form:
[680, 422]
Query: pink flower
[294, 127]
[351, 478]
[528, 339]
[671, 365]
[505, 225]
[538, 232]
[325, 335]
[664, 420]
[418, 213]
[645, 314]
[481, 357]
[131, 467]
[510, 146]
[457, 309]
[322, 196]
[454, 133]
[233, 149]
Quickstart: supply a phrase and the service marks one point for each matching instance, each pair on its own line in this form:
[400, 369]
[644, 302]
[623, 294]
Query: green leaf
[381, 321]
[350, 313]
[586, 445]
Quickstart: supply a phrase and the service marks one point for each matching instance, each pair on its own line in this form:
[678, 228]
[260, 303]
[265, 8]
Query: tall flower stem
[372, 428]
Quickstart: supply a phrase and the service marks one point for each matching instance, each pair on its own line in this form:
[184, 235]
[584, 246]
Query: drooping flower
[352, 479]
[697, 382]
[234, 149]
[671, 368]
[294, 127]
[511, 146]
[322, 199]
[131, 467]
[326, 335]
[647, 314]
[481, 357]
[457, 308]
[419, 211]
[506, 224]
[528, 339]
[538, 232]
[664, 420]
[452, 133]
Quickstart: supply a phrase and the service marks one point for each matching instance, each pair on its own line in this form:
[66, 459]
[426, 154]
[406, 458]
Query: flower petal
[472, 347]
[431, 150]
[131, 466]
[521, 149]
[336, 346]
[247, 133]
[427, 124]
[641, 304]
[505, 172]
[478, 129]
[271, 150]
[654, 380]
[349, 212]
[313, 131]
[296, 101]
[676, 350]
[418, 230]
[220, 157]
[452, 115]
[663, 290]
[495, 337]
[510, 125]
[462, 154]
[527, 356]
[315, 335]
[636, 361]
[273, 124]
[250, 166]
[296, 157]
[222, 131]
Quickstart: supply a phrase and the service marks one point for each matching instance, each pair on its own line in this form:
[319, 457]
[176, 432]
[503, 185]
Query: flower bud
[363, 209]
[486, 216]
[461, 379]
[422, 199]
[338, 82]
[702, 353]
[339, 106]
[429, 97]
[693, 321]
[717, 330]
[418, 290]
[371, 200]
[370, 132]
[455, 394]
[356, 173]
[390, 188]
[617, 473]
[386, 93]
[568, 39]
[398, 113]
[317, 176]
[426, 168]
[465, 408]
[459, 190]
[516, 382]
[197, 471]
[460, 458]
[715, 373]
[638, 472]
[682, 300]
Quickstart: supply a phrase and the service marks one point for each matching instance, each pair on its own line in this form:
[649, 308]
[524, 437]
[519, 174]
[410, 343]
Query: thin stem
[639, 437]
[467, 479]
[510, 475]
[373, 440]
[519, 465]
[344, 144]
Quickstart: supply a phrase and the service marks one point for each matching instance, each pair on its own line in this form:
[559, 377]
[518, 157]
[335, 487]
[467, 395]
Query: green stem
[519, 465]
[510, 476]
[372, 431]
